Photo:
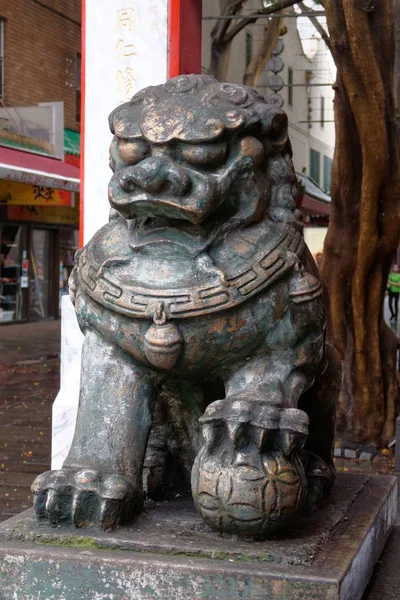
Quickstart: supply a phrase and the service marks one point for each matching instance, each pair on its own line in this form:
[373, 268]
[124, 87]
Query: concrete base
[170, 554]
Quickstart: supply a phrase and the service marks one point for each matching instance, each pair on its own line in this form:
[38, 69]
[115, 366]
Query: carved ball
[248, 501]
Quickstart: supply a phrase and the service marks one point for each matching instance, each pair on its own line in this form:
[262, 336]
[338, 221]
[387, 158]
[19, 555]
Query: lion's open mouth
[152, 224]
[145, 231]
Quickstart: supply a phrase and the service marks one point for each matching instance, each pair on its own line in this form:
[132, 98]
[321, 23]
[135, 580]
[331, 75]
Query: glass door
[39, 285]
[12, 239]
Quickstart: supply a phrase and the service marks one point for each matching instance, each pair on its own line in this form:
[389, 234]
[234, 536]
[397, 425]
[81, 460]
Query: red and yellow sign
[62, 215]
[15, 193]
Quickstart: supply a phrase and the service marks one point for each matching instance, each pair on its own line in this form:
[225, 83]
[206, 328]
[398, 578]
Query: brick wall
[40, 50]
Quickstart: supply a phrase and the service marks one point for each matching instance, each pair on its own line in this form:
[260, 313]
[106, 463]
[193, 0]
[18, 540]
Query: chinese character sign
[15, 193]
[125, 51]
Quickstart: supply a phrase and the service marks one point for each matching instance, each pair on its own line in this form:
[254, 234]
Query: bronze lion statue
[204, 352]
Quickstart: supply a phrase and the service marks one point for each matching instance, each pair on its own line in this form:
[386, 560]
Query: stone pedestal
[170, 554]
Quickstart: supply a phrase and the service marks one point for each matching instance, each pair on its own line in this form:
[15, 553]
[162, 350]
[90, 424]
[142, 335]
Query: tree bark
[396, 9]
[364, 228]
[220, 46]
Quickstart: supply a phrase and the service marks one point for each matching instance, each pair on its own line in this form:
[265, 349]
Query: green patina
[88, 543]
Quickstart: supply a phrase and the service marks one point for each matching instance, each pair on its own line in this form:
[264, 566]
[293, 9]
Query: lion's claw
[85, 498]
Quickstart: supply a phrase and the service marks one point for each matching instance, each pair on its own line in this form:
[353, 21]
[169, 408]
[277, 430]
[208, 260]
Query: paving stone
[349, 453]
[29, 341]
[366, 456]
[25, 418]
[371, 449]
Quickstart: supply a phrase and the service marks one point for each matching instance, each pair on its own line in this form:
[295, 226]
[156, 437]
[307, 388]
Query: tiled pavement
[29, 341]
[29, 383]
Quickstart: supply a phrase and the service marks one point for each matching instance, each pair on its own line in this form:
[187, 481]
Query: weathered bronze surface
[198, 299]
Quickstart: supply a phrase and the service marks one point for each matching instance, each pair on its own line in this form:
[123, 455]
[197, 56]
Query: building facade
[41, 54]
[307, 96]
[39, 154]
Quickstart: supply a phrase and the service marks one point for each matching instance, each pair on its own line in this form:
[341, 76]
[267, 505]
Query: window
[78, 88]
[314, 166]
[322, 112]
[327, 173]
[249, 48]
[290, 86]
[1, 58]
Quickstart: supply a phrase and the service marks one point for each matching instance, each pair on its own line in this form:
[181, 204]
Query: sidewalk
[29, 341]
[29, 383]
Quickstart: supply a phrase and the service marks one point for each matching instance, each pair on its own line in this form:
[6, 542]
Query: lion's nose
[155, 175]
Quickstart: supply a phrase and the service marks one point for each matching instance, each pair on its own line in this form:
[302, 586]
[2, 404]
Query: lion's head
[194, 157]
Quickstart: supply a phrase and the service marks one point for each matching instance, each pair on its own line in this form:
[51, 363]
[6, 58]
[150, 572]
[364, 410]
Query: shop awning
[25, 167]
[313, 199]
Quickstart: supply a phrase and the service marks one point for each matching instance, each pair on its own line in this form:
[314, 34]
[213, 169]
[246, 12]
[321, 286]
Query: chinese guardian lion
[202, 309]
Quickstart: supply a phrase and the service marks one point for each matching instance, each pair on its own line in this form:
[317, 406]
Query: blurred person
[393, 287]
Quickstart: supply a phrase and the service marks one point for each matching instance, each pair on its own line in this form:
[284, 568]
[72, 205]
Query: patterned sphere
[249, 501]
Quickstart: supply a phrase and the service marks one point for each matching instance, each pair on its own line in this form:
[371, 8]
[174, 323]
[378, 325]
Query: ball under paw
[249, 501]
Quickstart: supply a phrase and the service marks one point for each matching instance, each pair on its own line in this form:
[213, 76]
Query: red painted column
[83, 108]
[184, 37]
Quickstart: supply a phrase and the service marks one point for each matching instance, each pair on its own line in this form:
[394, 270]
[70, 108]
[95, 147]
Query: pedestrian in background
[394, 292]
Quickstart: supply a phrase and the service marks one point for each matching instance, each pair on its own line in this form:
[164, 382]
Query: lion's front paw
[248, 478]
[85, 497]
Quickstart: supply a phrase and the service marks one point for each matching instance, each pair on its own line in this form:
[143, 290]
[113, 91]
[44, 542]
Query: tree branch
[279, 5]
[230, 8]
[258, 62]
[316, 24]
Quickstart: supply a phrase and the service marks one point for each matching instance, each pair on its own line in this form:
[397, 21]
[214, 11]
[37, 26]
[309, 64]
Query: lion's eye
[131, 152]
[204, 155]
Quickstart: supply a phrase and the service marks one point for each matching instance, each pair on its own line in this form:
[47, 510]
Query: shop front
[315, 205]
[39, 227]
[36, 259]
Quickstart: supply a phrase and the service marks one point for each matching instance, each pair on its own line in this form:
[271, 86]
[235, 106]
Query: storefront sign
[13, 193]
[131, 56]
[60, 215]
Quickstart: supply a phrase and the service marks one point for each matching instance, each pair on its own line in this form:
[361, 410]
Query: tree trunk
[220, 43]
[220, 55]
[396, 8]
[364, 228]
[264, 53]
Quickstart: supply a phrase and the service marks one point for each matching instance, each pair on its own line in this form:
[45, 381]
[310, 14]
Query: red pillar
[184, 37]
